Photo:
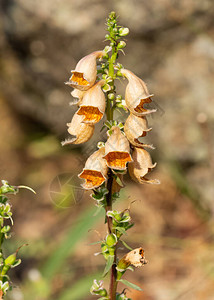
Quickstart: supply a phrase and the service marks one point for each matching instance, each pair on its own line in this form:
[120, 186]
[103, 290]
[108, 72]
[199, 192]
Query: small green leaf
[118, 180]
[131, 285]
[121, 230]
[109, 264]
[95, 243]
[127, 246]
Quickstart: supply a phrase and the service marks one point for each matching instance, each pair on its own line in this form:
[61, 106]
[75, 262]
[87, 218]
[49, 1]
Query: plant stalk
[109, 112]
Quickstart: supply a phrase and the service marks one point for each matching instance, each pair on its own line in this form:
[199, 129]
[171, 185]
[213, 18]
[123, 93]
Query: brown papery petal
[136, 127]
[95, 170]
[78, 95]
[117, 160]
[137, 94]
[141, 165]
[117, 150]
[91, 114]
[93, 104]
[85, 73]
[81, 132]
[136, 257]
[93, 179]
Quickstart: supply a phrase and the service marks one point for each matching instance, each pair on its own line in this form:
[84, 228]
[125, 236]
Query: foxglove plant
[95, 93]
[5, 214]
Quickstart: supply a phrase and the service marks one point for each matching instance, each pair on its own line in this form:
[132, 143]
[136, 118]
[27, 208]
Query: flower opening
[117, 150]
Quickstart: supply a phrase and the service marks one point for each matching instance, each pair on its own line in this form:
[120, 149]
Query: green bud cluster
[122, 297]
[98, 289]
[121, 222]
[5, 213]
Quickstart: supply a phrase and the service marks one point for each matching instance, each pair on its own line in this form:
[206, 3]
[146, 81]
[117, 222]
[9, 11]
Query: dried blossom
[95, 170]
[117, 150]
[85, 73]
[137, 94]
[136, 127]
[81, 132]
[78, 95]
[141, 165]
[135, 257]
[92, 104]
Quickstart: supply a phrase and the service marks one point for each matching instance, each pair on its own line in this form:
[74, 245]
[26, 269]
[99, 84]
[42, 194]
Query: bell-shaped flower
[85, 73]
[136, 127]
[81, 132]
[117, 150]
[95, 170]
[93, 103]
[136, 94]
[141, 165]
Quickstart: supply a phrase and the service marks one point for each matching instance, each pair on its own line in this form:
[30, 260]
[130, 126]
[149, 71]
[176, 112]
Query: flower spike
[85, 73]
[137, 94]
[81, 132]
[93, 103]
[136, 127]
[117, 150]
[141, 165]
[95, 170]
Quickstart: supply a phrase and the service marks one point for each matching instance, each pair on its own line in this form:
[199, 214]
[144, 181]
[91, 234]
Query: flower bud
[85, 73]
[137, 94]
[141, 165]
[111, 240]
[136, 127]
[123, 31]
[117, 150]
[121, 45]
[95, 170]
[93, 104]
[98, 289]
[81, 132]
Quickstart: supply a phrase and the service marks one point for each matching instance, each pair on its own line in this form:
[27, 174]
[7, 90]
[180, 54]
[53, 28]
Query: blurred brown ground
[171, 47]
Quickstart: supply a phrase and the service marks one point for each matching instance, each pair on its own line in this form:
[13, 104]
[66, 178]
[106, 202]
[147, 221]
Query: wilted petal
[78, 95]
[141, 165]
[137, 94]
[117, 150]
[95, 170]
[85, 73]
[136, 127]
[93, 104]
[81, 132]
[135, 257]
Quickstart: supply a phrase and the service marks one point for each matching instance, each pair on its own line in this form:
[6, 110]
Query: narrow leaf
[126, 245]
[121, 230]
[131, 285]
[119, 181]
[109, 264]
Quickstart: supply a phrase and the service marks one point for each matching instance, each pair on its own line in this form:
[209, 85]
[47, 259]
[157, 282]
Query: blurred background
[171, 47]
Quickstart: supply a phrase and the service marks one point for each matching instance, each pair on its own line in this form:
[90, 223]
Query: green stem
[113, 275]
